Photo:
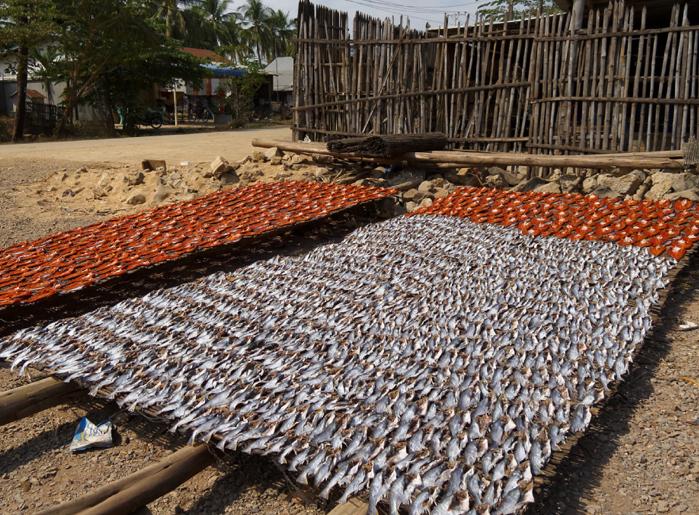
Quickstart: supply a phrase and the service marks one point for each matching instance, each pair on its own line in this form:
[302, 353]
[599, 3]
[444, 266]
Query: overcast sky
[419, 11]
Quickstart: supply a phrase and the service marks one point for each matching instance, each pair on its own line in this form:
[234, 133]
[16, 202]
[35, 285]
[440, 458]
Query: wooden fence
[533, 84]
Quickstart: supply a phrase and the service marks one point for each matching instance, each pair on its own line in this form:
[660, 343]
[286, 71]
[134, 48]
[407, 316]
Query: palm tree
[215, 15]
[256, 17]
[283, 30]
[236, 46]
[172, 15]
[46, 58]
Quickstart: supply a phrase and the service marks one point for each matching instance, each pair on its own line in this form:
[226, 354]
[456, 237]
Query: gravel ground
[21, 218]
[640, 455]
[37, 470]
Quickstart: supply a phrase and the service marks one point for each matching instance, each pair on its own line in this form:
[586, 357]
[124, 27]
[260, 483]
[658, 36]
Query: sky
[419, 12]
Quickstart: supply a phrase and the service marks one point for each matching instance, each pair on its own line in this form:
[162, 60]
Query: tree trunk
[168, 20]
[67, 114]
[389, 145]
[20, 116]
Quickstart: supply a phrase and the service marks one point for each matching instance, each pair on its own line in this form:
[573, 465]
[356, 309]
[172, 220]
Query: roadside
[641, 455]
[55, 186]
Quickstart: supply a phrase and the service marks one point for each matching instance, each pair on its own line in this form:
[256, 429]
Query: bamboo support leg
[32, 398]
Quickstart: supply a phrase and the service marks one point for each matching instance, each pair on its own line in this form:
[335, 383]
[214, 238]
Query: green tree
[172, 14]
[46, 61]
[24, 26]
[108, 44]
[283, 30]
[510, 9]
[237, 46]
[122, 88]
[256, 16]
[240, 93]
[217, 19]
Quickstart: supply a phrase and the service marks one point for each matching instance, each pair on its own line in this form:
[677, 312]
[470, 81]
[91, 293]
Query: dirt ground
[640, 455]
[194, 147]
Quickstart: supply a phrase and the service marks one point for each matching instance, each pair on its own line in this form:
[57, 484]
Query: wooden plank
[495, 158]
[354, 506]
[140, 488]
[32, 398]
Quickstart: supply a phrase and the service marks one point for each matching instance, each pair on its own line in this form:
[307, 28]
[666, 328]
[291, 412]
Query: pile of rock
[419, 186]
[632, 184]
[115, 189]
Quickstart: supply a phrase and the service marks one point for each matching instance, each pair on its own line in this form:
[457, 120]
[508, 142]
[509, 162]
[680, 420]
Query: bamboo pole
[494, 158]
[140, 488]
[32, 398]
[600, 81]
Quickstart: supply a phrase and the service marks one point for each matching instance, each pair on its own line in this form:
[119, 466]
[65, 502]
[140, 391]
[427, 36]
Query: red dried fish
[70, 260]
[663, 227]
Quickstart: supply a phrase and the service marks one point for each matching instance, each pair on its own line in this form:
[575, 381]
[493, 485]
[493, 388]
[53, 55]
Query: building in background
[282, 72]
[200, 102]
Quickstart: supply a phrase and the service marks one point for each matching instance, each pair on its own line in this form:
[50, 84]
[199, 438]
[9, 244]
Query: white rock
[688, 194]
[530, 185]
[160, 195]
[271, 152]
[551, 187]
[425, 187]
[136, 198]
[134, 179]
[589, 184]
[218, 167]
[622, 185]
[667, 182]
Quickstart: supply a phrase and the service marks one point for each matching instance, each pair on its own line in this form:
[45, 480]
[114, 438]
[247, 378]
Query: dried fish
[430, 361]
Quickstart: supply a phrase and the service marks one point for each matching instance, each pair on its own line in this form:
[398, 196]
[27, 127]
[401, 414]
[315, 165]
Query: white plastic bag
[88, 435]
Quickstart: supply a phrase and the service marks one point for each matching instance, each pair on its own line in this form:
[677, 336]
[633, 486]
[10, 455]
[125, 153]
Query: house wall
[52, 95]
[282, 71]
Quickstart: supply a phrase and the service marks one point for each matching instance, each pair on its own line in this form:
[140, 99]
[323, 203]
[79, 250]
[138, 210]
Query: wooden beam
[140, 488]
[32, 398]
[354, 506]
[632, 161]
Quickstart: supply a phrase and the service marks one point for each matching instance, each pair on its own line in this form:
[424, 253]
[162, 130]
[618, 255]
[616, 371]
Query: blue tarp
[225, 71]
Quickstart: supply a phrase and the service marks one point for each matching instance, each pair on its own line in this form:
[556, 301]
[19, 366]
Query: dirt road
[197, 147]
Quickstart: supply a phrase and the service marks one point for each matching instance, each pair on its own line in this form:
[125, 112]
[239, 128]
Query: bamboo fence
[534, 84]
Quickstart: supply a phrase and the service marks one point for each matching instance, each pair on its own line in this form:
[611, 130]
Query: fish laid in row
[429, 362]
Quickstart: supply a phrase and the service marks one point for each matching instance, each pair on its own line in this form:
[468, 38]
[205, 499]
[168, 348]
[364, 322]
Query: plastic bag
[88, 435]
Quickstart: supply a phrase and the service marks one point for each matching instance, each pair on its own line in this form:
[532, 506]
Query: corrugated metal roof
[203, 53]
